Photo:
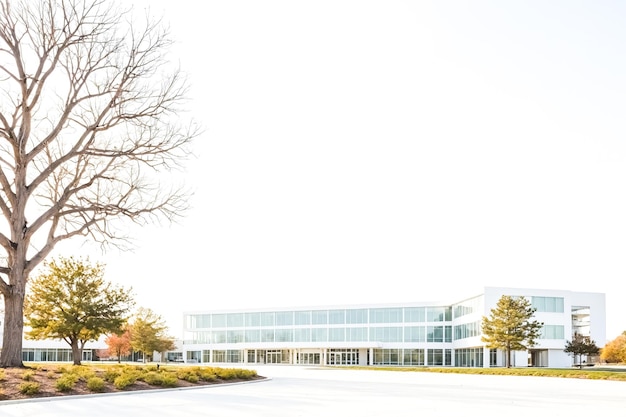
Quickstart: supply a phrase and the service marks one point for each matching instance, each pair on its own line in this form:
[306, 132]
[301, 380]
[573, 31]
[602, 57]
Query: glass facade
[394, 335]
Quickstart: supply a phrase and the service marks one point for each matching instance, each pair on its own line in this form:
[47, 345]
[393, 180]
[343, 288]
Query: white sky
[390, 151]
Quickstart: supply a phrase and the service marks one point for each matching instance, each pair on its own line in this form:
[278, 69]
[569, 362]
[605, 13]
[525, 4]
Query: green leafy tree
[90, 123]
[72, 301]
[581, 345]
[509, 327]
[148, 333]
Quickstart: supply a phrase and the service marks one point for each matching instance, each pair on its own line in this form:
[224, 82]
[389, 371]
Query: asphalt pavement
[294, 391]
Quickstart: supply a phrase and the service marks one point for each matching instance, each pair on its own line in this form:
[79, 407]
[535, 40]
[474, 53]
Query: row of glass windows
[463, 331]
[470, 357]
[320, 317]
[52, 355]
[413, 357]
[467, 307]
[432, 334]
[548, 304]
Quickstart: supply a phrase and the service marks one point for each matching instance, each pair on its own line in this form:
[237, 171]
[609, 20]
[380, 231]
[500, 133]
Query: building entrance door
[273, 356]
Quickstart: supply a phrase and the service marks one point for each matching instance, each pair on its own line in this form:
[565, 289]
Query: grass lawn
[590, 372]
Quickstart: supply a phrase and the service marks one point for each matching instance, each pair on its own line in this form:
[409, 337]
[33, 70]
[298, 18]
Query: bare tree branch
[90, 120]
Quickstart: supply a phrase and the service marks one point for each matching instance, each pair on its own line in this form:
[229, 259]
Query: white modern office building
[408, 334]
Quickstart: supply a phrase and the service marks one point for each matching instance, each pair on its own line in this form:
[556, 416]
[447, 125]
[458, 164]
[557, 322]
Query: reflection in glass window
[439, 314]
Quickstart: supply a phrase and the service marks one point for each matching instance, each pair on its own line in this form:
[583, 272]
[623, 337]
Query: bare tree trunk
[77, 352]
[508, 357]
[14, 324]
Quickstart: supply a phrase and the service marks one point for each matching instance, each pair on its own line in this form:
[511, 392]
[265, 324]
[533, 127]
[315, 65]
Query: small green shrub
[111, 374]
[125, 380]
[95, 384]
[188, 375]
[234, 373]
[66, 383]
[28, 375]
[29, 388]
[169, 381]
[153, 378]
[208, 375]
[82, 372]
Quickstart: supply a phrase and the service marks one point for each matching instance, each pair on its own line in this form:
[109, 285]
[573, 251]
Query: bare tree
[89, 123]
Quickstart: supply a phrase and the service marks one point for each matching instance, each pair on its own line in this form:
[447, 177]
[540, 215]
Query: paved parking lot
[297, 391]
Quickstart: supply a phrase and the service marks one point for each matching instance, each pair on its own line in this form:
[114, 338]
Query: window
[235, 336]
[356, 316]
[253, 319]
[218, 336]
[439, 314]
[267, 319]
[267, 335]
[235, 320]
[284, 335]
[284, 318]
[463, 331]
[549, 331]
[385, 315]
[548, 304]
[356, 334]
[414, 357]
[233, 356]
[337, 317]
[415, 315]
[415, 334]
[253, 336]
[319, 317]
[319, 335]
[434, 334]
[302, 318]
[435, 357]
[218, 320]
[386, 334]
[337, 334]
[302, 335]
